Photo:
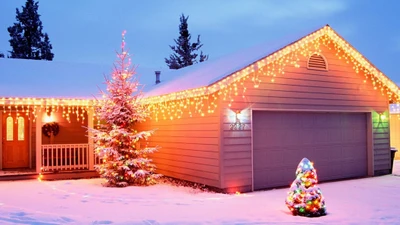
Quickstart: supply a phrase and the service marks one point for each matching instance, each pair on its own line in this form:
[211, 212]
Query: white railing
[65, 157]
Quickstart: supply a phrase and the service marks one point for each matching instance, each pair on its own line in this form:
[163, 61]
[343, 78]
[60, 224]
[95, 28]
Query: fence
[65, 157]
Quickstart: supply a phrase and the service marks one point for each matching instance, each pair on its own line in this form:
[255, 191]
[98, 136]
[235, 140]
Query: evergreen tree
[1, 55]
[185, 51]
[305, 197]
[123, 161]
[46, 49]
[27, 39]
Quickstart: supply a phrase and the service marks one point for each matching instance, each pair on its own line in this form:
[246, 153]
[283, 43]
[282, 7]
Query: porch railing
[65, 157]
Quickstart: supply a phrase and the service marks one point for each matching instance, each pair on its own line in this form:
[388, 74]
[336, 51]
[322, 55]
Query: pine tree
[185, 51]
[305, 197]
[27, 39]
[123, 161]
[1, 55]
[46, 49]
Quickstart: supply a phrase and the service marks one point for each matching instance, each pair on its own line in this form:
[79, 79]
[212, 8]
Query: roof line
[326, 30]
[391, 85]
[250, 64]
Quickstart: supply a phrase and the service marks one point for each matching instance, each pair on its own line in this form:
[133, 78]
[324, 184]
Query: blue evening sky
[89, 30]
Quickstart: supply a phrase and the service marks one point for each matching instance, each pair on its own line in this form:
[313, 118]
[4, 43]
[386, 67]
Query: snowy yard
[362, 201]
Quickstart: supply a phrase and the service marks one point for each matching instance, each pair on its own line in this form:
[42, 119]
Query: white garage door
[335, 142]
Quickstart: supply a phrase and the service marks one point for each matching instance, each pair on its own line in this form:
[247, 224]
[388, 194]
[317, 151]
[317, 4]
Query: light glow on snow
[360, 201]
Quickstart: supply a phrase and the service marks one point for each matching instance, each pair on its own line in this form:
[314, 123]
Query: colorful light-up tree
[123, 161]
[305, 197]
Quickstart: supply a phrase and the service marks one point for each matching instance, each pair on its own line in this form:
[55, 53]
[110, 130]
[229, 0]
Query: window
[9, 128]
[21, 129]
[317, 62]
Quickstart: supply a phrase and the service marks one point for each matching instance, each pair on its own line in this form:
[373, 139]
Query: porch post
[90, 139]
[39, 141]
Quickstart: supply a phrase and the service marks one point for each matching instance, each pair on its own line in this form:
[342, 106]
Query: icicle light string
[273, 66]
[204, 100]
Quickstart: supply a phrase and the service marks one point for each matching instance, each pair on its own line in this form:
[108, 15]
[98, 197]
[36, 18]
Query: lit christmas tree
[304, 197]
[116, 143]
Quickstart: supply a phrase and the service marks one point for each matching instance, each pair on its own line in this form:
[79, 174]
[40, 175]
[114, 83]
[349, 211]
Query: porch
[58, 161]
[29, 151]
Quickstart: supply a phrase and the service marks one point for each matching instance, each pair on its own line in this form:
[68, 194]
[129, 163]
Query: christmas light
[122, 163]
[265, 70]
[304, 197]
[205, 100]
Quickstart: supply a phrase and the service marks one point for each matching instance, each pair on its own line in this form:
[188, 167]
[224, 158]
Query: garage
[335, 142]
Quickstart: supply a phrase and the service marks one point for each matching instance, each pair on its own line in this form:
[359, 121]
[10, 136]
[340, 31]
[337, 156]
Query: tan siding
[381, 132]
[73, 132]
[381, 165]
[381, 141]
[238, 162]
[180, 163]
[395, 133]
[185, 148]
[237, 141]
[237, 148]
[199, 140]
[339, 89]
[189, 147]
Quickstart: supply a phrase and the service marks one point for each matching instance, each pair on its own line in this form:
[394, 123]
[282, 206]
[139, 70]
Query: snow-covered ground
[362, 201]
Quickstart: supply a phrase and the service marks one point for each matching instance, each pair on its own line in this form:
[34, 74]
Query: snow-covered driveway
[362, 201]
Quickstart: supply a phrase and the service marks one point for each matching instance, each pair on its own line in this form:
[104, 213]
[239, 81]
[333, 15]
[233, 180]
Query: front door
[15, 141]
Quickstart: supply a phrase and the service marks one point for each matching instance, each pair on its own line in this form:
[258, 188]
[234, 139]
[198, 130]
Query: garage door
[335, 142]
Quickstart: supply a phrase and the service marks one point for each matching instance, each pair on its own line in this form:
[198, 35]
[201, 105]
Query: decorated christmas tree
[116, 142]
[305, 197]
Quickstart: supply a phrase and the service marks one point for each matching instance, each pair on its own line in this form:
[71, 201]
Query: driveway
[374, 200]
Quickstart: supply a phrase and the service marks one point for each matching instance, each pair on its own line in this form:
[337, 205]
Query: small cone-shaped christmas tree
[304, 197]
[123, 162]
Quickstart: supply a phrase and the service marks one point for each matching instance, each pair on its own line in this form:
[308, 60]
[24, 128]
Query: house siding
[189, 147]
[74, 132]
[340, 90]
[395, 133]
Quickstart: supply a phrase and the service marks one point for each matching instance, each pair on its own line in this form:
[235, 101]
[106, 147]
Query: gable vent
[317, 62]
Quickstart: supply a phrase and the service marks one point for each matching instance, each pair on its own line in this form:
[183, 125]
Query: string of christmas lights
[204, 100]
[305, 197]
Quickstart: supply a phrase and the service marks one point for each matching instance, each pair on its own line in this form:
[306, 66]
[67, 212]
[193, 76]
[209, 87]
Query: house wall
[73, 132]
[339, 89]
[189, 147]
[395, 133]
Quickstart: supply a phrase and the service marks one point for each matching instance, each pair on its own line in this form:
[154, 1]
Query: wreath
[50, 128]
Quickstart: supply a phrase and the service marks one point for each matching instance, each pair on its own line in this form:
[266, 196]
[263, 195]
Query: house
[38, 97]
[244, 122]
[238, 123]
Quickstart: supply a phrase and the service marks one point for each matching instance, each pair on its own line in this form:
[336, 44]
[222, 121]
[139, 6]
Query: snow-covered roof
[208, 72]
[210, 76]
[51, 79]
[24, 78]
